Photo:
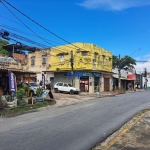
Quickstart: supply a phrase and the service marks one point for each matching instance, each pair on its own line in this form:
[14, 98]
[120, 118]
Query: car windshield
[33, 84]
[70, 85]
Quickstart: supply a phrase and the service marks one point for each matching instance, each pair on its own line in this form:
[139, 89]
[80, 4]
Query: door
[106, 84]
[52, 81]
[82, 87]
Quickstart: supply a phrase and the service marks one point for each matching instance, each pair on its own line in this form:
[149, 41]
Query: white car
[32, 87]
[65, 87]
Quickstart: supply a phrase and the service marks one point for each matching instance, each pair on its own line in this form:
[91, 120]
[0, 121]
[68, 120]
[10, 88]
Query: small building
[38, 61]
[9, 64]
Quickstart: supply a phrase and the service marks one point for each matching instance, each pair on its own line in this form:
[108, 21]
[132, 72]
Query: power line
[41, 25]
[38, 25]
[9, 20]
[20, 31]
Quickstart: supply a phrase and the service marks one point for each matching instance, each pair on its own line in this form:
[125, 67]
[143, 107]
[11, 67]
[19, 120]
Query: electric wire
[36, 23]
[41, 25]
[20, 31]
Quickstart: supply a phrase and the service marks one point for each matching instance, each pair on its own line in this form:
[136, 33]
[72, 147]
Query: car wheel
[31, 93]
[71, 91]
[56, 90]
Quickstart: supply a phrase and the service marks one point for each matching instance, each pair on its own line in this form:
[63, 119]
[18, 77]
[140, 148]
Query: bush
[39, 92]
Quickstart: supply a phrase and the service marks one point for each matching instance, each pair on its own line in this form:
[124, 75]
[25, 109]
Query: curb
[125, 129]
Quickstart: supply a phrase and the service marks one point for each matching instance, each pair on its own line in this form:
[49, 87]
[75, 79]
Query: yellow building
[90, 64]
[86, 57]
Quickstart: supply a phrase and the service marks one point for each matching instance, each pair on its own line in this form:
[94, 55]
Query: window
[103, 59]
[32, 61]
[61, 58]
[66, 85]
[84, 53]
[95, 57]
[43, 60]
[60, 84]
[109, 59]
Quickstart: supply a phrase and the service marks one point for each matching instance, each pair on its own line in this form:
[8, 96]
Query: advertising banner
[12, 82]
[43, 81]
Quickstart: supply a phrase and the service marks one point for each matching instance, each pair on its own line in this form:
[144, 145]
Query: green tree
[124, 62]
[3, 52]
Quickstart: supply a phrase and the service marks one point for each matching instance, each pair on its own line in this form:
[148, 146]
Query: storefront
[107, 80]
[89, 80]
[84, 84]
[21, 76]
[131, 79]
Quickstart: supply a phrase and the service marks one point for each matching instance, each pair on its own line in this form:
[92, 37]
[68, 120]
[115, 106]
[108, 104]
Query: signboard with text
[12, 82]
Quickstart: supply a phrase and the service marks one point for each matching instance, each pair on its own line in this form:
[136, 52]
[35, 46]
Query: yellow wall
[80, 62]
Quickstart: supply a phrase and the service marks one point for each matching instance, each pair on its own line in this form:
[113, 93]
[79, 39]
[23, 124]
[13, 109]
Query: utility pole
[72, 64]
[145, 75]
[119, 74]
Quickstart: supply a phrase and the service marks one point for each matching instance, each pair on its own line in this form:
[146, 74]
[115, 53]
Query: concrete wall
[61, 77]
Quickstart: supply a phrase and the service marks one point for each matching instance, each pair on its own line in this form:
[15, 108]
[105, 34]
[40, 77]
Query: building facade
[39, 61]
[86, 66]
[9, 64]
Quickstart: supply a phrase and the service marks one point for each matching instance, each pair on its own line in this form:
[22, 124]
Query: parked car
[65, 87]
[32, 87]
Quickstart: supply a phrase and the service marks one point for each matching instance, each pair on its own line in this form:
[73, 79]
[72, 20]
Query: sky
[120, 26]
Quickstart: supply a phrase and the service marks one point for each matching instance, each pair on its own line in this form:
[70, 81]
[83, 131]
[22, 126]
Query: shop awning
[17, 70]
[122, 78]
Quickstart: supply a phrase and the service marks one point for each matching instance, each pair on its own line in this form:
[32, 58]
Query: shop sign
[87, 74]
[107, 76]
[96, 75]
[74, 74]
[132, 76]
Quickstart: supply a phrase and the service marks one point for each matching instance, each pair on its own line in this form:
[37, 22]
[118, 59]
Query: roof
[18, 70]
[16, 47]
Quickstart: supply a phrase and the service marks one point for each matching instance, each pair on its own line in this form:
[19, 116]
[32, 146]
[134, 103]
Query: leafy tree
[124, 62]
[3, 51]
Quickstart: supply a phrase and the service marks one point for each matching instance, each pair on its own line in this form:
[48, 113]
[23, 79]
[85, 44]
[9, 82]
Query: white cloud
[113, 4]
[141, 65]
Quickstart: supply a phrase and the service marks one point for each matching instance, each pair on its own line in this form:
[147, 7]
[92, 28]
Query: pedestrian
[135, 87]
[48, 87]
[40, 83]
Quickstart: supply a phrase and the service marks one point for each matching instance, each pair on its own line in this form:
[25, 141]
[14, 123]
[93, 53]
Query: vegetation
[125, 62]
[3, 52]
[23, 109]
[20, 93]
[39, 92]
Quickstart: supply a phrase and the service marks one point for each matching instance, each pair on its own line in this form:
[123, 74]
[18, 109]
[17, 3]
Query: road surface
[74, 127]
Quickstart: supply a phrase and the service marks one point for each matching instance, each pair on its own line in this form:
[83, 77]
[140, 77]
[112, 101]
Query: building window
[32, 61]
[44, 60]
[103, 59]
[61, 58]
[95, 57]
[84, 53]
[109, 59]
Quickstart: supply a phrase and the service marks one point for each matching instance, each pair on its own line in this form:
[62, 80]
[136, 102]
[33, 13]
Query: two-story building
[39, 61]
[86, 66]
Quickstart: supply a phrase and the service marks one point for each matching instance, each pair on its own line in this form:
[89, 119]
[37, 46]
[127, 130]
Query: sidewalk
[63, 99]
[134, 135]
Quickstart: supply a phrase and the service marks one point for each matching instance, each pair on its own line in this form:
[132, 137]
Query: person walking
[48, 87]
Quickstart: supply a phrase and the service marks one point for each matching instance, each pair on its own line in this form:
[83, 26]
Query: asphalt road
[75, 127]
